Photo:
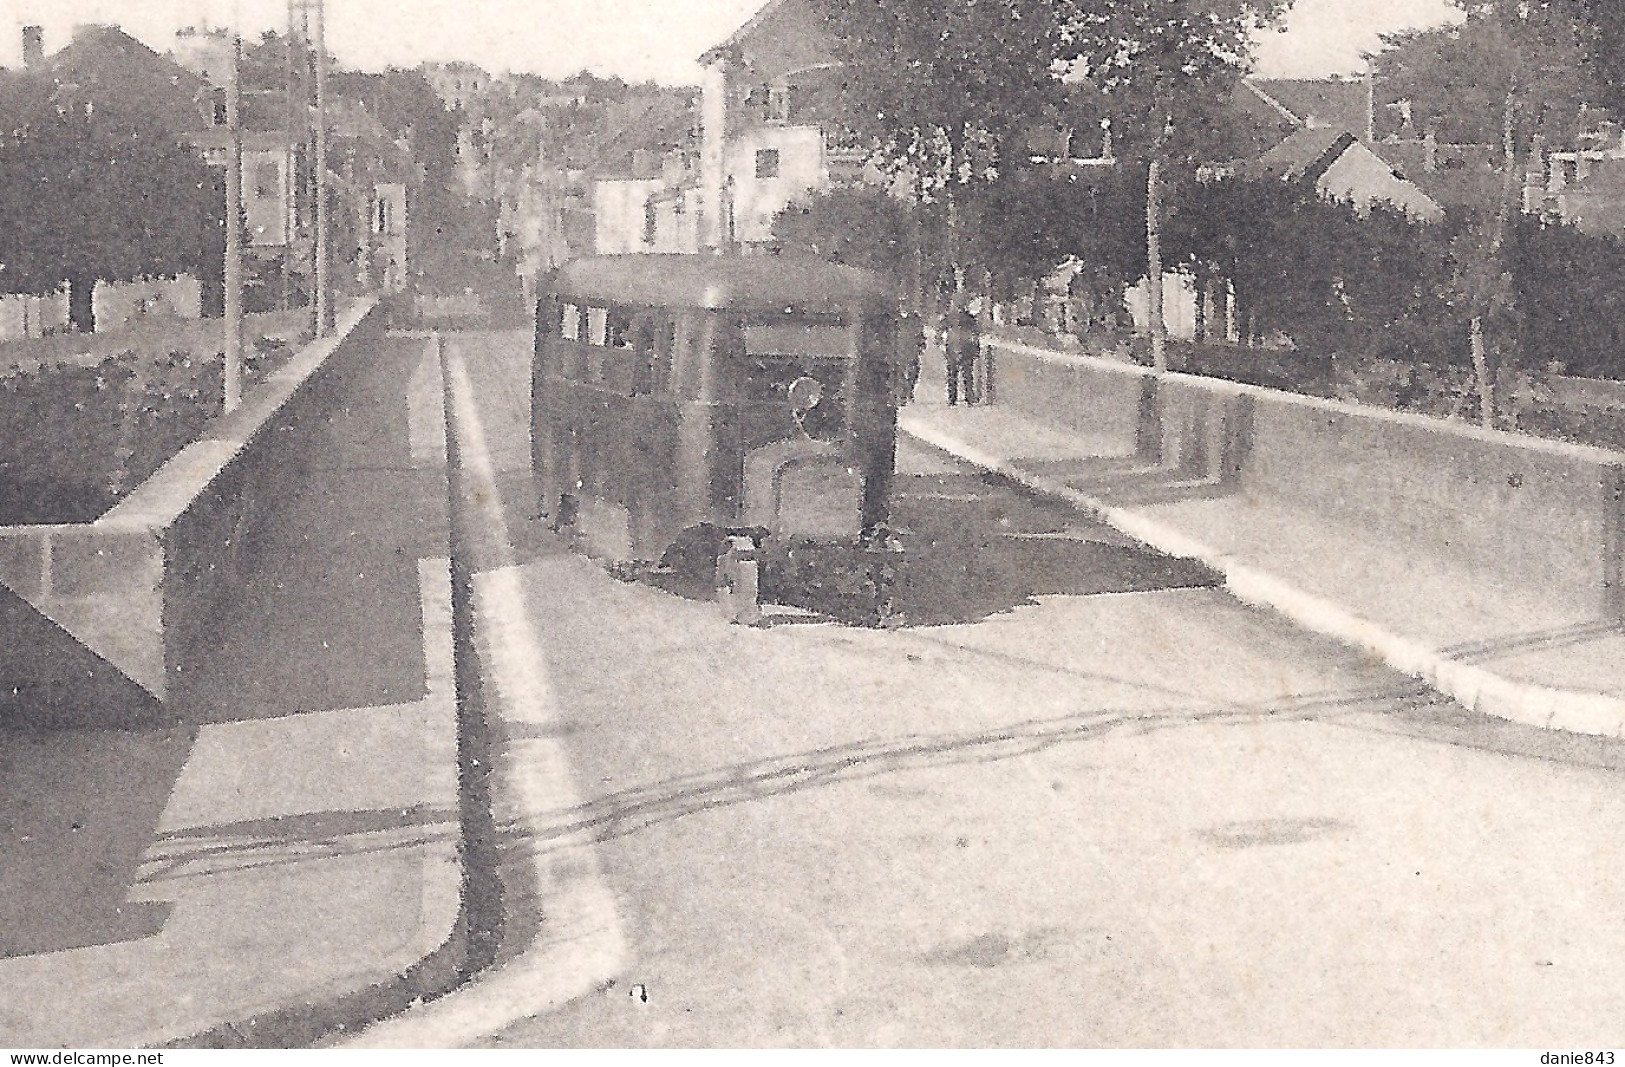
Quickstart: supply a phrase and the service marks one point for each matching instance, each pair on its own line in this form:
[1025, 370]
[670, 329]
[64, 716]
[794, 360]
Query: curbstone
[1474, 687]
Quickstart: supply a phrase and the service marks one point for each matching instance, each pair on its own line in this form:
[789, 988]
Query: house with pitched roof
[1331, 144]
[1342, 167]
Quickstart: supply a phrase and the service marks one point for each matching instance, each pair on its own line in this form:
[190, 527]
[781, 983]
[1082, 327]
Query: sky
[635, 39]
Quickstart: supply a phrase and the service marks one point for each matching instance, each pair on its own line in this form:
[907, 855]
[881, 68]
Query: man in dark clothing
[910, 346]
[964, 348]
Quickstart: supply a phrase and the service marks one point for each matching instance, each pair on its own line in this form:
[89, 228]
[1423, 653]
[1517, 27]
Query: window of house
[570, 323]
[597, 325]
[617, 329]
[767, 163]
[219, 107]
[757, 102]
[778, 103]
[651, 220]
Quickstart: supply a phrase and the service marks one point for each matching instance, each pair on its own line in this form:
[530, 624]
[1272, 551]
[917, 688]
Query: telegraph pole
[290, 168]
[324, 281]
[234, 229]
[1153, 273]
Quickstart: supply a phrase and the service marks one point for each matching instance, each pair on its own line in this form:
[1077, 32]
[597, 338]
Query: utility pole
[1153, 273]
[324, 281]
[290, 164]
[234, 230]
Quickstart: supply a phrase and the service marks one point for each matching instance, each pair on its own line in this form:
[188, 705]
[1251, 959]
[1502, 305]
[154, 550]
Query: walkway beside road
[1493, 648]
[271, 863]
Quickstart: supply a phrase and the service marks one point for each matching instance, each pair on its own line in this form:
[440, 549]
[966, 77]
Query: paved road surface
[1082, 799]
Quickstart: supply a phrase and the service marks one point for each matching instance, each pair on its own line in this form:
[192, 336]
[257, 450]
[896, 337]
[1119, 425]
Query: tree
[87, 196]
[1163, 69]
[865, 227]
[1456, 80]
[1343, 284]
[1525, 55]
[948, 93]
[945, 93]
[1600, 25]
[1033, 220]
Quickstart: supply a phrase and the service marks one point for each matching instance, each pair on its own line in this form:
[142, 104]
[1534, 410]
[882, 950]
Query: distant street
[1082, 798]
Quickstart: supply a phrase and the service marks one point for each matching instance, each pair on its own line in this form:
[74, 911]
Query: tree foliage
[1459, 80]
[1028, 223]
[1341, 283]
[1601, 26]
[87, 197]
[1163, 67]
[863, 227]
[1570, 298]
[950, 90]
[946, 91]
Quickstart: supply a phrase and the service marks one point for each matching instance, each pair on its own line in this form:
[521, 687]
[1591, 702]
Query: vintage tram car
[687, 409]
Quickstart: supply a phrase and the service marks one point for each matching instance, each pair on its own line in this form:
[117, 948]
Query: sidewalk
[284, 858]
[1504, 651]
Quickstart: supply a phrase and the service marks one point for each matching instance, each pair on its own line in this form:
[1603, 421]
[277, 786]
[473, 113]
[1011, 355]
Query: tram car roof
[731, 281]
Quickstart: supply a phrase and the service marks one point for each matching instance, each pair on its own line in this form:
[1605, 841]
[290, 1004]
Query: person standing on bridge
[910, 348]
[963, 349]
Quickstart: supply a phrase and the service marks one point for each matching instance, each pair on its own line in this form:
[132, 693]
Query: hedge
[84, 419]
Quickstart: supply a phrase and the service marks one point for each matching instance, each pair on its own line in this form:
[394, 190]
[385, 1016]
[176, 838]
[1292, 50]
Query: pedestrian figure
[964, 348]
[910, 348]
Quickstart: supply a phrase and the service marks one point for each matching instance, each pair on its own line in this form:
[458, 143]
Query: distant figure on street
[964, 348]
[910, 349]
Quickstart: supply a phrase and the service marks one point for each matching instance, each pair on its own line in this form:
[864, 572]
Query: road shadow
[326, 613]
[78, 809]
[975, 548]
[77, 804]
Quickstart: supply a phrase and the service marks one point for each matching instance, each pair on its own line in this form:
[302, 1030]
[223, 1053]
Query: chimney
[33, 47]
[1430, 151]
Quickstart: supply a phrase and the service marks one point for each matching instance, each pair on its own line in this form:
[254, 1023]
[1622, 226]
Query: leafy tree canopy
[944, 89]
[1029, 222]
[1460, 80]
[92, 197]
[862, 227]
[1601, 24]
[1163, 67]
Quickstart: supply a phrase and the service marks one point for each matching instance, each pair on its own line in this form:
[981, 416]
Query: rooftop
[1330, 103]
[1305, 153]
